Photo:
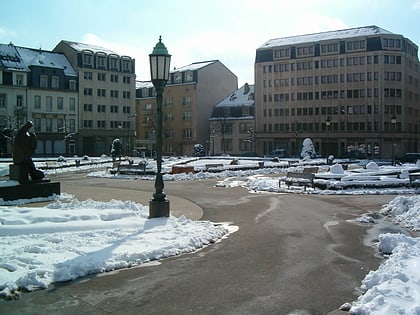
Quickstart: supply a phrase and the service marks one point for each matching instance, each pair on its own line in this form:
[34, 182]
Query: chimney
[246, 88]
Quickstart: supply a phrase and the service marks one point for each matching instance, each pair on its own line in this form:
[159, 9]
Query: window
[101, 76]
[2, 100]
[87, 123]
[186, 116]
[72, 85]
[101, 124]
[60, 103]
[186, 101]
[187, 133]
[49, 104]
[305, 51]
[101, 92]
[87, 107]
[101, 108]
[87, 75]
[114, 93]
[127, 94]
[43, 81]
[101, 62]
[19, 79]
[127, 110]
[189, 76]
[114, 63]
[87, 91]
[114, 108]
[55, 84]
[126, 65]
[72, 104]
[178, 77]
[37, 102]
[114, 78]
[282, 53]
[48, 125]
[87, 59]
[126, 79]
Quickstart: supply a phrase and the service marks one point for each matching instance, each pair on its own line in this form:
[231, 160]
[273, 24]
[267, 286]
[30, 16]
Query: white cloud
[6, 33]
[416, 5]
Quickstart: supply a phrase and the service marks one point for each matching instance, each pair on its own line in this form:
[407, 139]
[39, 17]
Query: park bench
[132, 169]
[213, 166]
[310, 170]
[301, 179]
[414, 180]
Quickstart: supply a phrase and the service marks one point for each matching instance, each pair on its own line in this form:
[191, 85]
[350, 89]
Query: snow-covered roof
[41, 58]
[325, 36]
[143, 84]
[244, 96]
[81, 47]
[193, 66]
[10, 58]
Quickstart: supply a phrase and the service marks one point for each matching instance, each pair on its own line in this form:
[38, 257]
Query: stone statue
[24, 146]
[116, 149]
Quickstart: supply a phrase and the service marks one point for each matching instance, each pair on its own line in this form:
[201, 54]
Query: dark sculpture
[116, 149]
[24, 146]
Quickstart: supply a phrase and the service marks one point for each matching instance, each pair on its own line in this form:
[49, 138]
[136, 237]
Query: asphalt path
[291, 254]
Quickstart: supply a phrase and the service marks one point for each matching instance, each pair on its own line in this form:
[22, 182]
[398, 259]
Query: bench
[415, 180]
[211, 166]
[310, 170]
[301, 179]
[114, 168]
[131, 169]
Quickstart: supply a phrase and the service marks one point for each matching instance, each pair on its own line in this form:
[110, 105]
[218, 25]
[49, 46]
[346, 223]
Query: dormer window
[178, 77]
[87, 59]
[189, 76]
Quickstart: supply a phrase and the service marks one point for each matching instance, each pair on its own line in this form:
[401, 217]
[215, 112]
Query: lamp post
[393, 122]
[160, 61]
[328, 124]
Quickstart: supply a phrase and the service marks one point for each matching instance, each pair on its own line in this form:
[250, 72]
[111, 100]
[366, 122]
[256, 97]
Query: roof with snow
[81, 47]
[194, 66]
[325, 36]
[10, 58]
[244, 96]
[41, 58]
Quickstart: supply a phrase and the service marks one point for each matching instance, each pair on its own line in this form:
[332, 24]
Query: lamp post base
[158, 209]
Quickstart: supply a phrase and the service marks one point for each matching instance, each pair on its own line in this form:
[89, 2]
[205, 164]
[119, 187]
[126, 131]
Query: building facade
[40, 86]
[354, 92]
[232, 124]
[106, 105]
[188, 100]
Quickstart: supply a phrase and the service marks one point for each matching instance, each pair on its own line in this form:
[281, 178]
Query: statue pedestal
[30, 189]
[27, 189]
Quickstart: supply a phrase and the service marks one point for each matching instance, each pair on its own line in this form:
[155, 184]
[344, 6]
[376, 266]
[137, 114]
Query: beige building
[232, 124]
[340, 89]
[188, 100]
[106, 97]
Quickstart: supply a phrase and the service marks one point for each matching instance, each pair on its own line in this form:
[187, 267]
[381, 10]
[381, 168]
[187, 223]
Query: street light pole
[327, 124]
[393, 122]
[160, 61]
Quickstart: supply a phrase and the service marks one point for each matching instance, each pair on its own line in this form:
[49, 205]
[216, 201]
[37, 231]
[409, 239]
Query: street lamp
[328, 124]
[393, 122]
[160, 61]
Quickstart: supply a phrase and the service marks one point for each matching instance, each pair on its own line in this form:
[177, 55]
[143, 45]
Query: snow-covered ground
[63, 241]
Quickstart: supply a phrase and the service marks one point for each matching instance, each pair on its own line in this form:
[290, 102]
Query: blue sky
[193, 30]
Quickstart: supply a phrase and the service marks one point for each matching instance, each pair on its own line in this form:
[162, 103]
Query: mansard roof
[42, 58]
[10, 58]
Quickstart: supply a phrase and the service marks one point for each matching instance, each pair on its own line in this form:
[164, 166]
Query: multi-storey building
[350, 91]
[106, 97]
[232, 124]
[188, 100]
[40, 86]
